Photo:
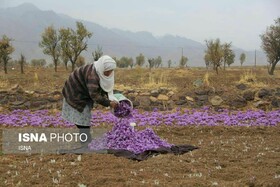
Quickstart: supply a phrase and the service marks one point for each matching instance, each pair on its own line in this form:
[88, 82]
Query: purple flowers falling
[123, 109]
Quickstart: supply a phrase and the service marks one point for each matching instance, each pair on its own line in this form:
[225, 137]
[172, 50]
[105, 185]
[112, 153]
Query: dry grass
[156, 80]
[250, 78]
[3, 83]
[206, 81]
[45, 79]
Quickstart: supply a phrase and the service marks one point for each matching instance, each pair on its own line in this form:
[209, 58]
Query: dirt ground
[45, 79]
[227, 156]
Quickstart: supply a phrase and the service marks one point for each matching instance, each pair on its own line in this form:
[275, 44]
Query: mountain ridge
[25, 24]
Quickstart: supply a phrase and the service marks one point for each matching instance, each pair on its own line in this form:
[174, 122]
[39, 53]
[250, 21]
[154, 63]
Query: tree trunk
[5, 68]
[216, 69]
[55, 60]
[272, 68]
[21, 68]
[73, 66]
[73, 61]
[66, 65]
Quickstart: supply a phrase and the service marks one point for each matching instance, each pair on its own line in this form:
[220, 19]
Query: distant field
[46, 79]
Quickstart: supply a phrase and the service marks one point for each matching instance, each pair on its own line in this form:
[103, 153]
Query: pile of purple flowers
[124, 136]
[123, 109]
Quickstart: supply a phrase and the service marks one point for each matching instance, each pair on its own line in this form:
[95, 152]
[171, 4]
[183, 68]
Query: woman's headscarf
[106, 63]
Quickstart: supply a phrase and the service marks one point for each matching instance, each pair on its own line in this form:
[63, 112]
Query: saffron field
[235, 147]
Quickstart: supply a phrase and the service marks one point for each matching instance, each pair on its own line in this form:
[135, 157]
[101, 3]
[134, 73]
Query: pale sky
[237, 21]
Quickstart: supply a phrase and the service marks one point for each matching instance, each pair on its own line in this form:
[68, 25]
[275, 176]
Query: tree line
[66, 45]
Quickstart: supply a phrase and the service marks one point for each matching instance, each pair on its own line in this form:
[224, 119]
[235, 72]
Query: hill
[26, 22]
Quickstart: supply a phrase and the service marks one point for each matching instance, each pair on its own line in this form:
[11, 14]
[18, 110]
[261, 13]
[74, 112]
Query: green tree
[97, 53]
[271, 45]
[124, 62]
[151, 62]
[183, 61]
[6, 49]
[158, 61]
[169, 62]
[230, 59]
[38, 62]
[228, 55]
[140, 60]
[74, 42]
[51, 44]
[131, 62]
[22, 61]
[214, 53]
[242, 58]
